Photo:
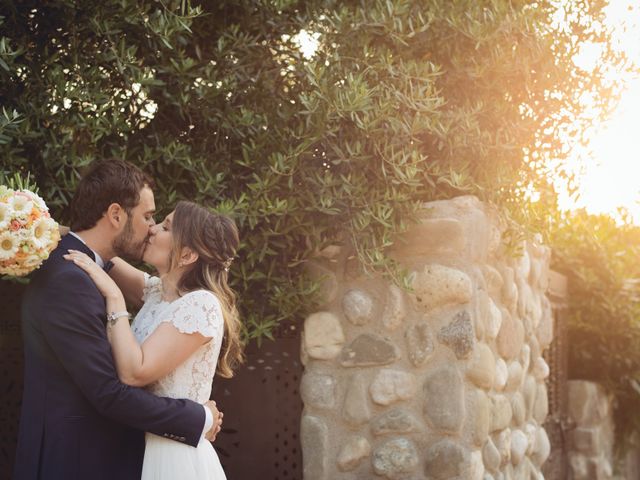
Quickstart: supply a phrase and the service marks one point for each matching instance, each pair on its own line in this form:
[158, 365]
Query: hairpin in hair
[227, 263]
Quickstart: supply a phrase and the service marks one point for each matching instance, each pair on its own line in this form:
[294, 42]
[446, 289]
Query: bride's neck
[170, 284]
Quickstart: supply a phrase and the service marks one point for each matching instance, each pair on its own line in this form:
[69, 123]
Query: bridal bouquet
[27, 232]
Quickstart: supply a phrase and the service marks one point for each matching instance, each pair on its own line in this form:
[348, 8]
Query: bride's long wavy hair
[214, 238]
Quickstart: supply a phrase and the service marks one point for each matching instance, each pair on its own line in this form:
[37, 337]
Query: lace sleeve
[197, 311]
[151, 285]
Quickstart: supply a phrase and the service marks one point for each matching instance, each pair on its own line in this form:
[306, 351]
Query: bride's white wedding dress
[197, 311]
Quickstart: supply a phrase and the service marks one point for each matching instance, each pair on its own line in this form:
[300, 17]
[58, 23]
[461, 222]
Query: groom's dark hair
[106, 182]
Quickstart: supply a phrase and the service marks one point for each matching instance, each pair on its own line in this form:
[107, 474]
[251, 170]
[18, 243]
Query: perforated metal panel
[262, 410]
[11, 370]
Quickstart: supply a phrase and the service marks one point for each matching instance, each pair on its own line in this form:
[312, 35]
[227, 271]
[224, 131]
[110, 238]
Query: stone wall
[592, 436]
[443, 382]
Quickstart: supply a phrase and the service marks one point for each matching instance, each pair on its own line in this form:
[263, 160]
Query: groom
[78, 420]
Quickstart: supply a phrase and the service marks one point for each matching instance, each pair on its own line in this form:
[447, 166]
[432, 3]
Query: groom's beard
[124, 246]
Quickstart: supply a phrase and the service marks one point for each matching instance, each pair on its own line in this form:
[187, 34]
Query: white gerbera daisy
[9, 245]
[5, 216]
[41, 232]
[21, 205]
[37, 200]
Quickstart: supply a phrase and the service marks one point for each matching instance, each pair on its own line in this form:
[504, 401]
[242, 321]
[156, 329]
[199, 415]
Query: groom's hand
[217, 421]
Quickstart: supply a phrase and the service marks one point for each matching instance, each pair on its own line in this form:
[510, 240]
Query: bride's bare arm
[164, 351]
[129, 279]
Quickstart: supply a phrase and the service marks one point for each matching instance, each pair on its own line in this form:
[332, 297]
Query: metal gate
[262, 410]
[556, 467]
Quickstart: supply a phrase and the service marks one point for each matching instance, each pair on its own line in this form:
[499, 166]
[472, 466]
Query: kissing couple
[93, 383]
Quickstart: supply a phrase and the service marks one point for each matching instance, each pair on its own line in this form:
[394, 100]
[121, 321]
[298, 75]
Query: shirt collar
[99, 260]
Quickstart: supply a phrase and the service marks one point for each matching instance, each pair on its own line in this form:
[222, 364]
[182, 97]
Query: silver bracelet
[113, 317]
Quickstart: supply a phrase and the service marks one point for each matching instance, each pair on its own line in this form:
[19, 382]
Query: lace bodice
[197, 311]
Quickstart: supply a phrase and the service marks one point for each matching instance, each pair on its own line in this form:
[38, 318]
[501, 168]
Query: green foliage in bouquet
[401, 102]
[16, 181]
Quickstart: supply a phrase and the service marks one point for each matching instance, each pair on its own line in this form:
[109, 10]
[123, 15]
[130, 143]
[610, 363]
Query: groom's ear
[116, 215]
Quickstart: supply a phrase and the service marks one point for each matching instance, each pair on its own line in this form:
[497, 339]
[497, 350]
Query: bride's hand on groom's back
[217, 421]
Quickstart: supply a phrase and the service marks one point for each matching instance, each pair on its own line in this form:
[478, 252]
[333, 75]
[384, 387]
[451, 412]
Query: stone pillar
[445, 381]
[592, 438]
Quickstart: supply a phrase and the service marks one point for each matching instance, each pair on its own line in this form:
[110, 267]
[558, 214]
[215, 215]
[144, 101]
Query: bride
[187, 328]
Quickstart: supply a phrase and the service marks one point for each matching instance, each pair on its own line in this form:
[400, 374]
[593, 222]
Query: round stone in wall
[367, 350]
[482, 368]
[503, 444]
[540, 369]
[542, 447]
[444, 399]
[419, 343]
[510, 337]
[541, 404]
[438, 286]
[529, 391]
[509, 288]
[523, 265]
[318, 390]
[458, 335]
[358, 306]
[395, 457]
[323, 336]
[390, 386]
[476, 467]
[493, 279]
[501, 412]
[518, 408]
[447, 459]
[397, 420]
[480, 421]
[519, 444]
[515, 375]
[314, 437]
[494, 320]
[491, 456]
[544, 331]
[355, 409]
[502, 374]
[530, 430]
[525, 357]
[353, 452]
[395, 310]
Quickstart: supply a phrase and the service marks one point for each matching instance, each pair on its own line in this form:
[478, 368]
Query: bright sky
[609, 177]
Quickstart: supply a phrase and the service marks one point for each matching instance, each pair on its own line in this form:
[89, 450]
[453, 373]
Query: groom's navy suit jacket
[78, 420]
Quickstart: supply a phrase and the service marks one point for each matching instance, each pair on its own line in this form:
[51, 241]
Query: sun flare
[608, 170]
